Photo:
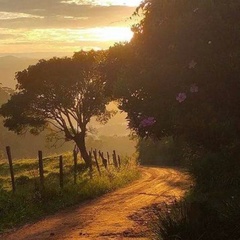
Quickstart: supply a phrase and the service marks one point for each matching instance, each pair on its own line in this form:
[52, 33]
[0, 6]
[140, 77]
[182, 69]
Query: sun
[118, 34]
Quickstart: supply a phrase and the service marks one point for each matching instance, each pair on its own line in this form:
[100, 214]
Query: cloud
[62, 15]
[65, 14]
[12, 15]
[5, 36]
[57, 7]
[64, 24]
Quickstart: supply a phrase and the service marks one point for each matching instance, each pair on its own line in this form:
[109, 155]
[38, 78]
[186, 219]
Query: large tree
[63, 92]
[181, 71]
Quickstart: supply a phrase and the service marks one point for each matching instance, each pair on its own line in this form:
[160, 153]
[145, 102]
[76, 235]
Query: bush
[211, 210]
[215, 172]
[188, 220]
[22, 180]
[166, 152]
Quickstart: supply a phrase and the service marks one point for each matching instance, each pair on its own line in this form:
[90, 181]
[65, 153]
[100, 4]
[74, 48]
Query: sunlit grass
[30, 201]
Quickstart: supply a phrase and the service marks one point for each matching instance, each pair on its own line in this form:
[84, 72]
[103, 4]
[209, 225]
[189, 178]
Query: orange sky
[63, 25]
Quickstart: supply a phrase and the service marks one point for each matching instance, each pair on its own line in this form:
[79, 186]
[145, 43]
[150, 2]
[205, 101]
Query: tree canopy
[181, 71]
[62, 92]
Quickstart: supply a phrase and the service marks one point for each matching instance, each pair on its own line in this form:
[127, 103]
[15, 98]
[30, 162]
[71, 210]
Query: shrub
[215, 172]
[22, 180]
[188, 220]
[166, 152]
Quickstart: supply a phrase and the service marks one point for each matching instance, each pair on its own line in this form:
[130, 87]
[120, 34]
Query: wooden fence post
[61, 171]
[96, 160]
[8, 149]
[104, 160]
[115, 159]
[90, 167]
[75, 166]
[119, 161]
[40, 164]
[108, 157]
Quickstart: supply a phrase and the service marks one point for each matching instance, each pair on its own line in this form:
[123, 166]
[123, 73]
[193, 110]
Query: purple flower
[192, 64]
[195, 10]
[147, 122]
[181, 97]
[194, 88]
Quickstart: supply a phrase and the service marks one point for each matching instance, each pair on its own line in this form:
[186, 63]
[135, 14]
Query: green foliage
[187, 220]
[42, 87]
[211, 209]
[20, 144]
[182, 221]
[30, 202]
[166, 152]
[181, 71]
[188, 47]
[22, 180]
[62, 92]
[214, 172]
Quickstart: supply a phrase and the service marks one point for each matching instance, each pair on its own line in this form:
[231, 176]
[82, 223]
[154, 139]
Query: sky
[63, 26]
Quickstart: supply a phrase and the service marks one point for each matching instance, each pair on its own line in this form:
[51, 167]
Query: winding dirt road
[117, 215]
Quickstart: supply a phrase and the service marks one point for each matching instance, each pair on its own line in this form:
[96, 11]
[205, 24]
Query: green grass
[211, 209]
[30, 202]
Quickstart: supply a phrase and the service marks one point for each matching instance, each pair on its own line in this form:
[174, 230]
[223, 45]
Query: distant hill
[9, 65]
[38, 55]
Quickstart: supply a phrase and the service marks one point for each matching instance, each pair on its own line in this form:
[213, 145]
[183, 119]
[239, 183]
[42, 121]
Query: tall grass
[211, 209]
[30, 201]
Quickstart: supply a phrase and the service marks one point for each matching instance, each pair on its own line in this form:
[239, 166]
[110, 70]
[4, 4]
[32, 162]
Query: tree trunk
[80, 142]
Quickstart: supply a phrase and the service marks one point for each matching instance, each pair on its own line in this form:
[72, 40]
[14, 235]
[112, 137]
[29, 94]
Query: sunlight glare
[118, 34]
[129, 3]
[63, 39]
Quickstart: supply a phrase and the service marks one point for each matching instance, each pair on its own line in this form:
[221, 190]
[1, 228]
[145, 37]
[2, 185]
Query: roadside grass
[30, 202]
[211, 209]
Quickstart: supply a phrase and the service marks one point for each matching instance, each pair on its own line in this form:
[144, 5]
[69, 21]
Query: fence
[93, 154]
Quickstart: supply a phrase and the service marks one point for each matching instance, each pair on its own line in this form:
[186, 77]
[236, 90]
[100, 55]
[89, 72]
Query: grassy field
[30, 202]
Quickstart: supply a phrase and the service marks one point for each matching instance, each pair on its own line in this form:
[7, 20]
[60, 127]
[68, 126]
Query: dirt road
[117, 215]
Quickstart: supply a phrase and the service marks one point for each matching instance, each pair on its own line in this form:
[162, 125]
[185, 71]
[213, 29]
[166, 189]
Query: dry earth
[123, 214]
